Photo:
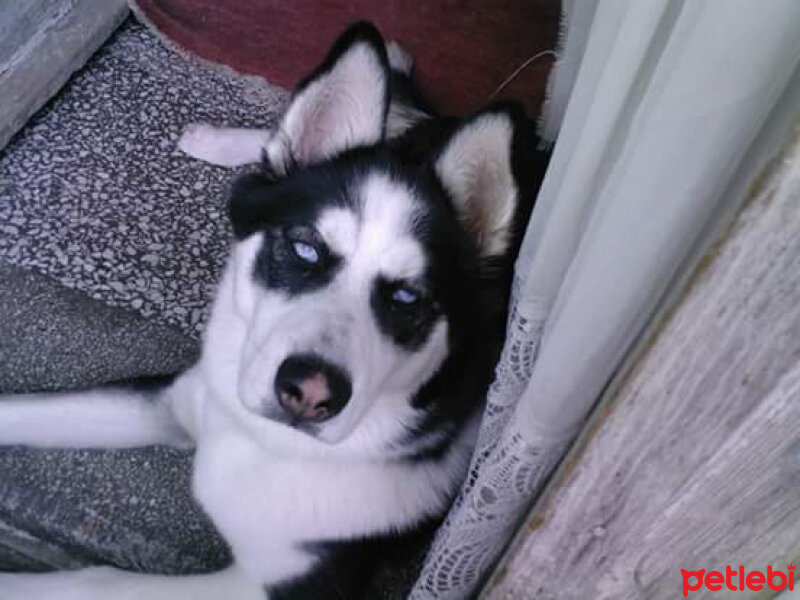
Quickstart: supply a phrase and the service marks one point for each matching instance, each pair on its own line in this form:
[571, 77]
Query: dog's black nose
[310, 388]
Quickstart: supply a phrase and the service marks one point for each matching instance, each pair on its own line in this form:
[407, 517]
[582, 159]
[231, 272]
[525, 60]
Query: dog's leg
[224, 146]
[104, 583]
[100, 418]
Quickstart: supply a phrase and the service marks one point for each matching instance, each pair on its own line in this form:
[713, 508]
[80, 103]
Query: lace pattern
[507, 470]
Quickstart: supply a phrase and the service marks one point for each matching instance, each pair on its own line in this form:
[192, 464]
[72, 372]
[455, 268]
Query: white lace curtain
[664, 112]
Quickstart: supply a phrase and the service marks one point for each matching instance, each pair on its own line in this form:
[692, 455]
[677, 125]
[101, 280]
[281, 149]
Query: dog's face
[351, 307]
[356, 272]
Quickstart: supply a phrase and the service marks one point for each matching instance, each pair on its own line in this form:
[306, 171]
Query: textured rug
[94, 193]
[110, 244]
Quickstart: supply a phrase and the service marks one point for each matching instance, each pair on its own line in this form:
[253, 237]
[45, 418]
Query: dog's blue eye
[306, 252]
[405, 296]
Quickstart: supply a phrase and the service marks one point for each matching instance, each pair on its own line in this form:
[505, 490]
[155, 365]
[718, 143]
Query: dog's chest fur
[286, 509]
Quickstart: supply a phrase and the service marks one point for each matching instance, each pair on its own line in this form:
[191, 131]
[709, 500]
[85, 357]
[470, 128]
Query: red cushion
[463, 49]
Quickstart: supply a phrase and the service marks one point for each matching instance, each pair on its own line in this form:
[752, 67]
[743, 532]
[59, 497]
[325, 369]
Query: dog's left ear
[475, 168]
[342, 104]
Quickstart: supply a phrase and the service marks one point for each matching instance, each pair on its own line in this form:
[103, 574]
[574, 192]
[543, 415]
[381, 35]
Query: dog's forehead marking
[377, 237]
[339, 228]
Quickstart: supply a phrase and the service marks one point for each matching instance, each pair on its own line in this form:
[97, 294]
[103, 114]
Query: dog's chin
[327, 432]
[276, 415]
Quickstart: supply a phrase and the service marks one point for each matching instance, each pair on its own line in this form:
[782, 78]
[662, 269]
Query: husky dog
[353, 336]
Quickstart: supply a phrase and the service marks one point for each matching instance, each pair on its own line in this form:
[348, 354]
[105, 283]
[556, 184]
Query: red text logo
[738, 579]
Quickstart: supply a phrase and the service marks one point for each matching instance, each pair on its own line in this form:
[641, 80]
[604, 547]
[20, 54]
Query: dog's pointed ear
[342, 104]
[475, 168]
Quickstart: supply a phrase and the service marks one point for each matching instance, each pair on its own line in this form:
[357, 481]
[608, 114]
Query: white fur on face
[336, 322]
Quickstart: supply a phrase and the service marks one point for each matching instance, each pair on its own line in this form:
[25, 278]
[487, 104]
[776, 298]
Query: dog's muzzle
[310, 389]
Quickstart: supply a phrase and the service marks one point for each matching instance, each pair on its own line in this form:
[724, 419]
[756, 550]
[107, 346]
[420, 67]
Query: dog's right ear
[476, 168]
[342, 104]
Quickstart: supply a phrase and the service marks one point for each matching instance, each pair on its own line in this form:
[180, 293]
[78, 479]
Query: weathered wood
[694, 461]
[41, 43]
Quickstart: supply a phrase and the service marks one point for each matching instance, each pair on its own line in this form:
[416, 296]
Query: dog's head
[360, 267]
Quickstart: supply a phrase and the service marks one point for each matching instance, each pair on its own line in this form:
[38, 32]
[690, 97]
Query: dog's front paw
[26, 586]
[85, 584]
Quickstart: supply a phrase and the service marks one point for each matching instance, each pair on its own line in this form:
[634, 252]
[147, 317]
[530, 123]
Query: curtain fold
[668, 99]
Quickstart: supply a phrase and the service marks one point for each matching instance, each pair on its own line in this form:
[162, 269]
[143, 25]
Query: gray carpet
[110, 245]
[94, 193]
[54, 338]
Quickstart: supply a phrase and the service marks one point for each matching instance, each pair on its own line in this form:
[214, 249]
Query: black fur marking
[406, 93]
[258, 201]
[345, 568]
[281, 269]
[148, 384]
[409, 326]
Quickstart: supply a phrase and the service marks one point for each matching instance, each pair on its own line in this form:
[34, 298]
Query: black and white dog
[351, 341]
